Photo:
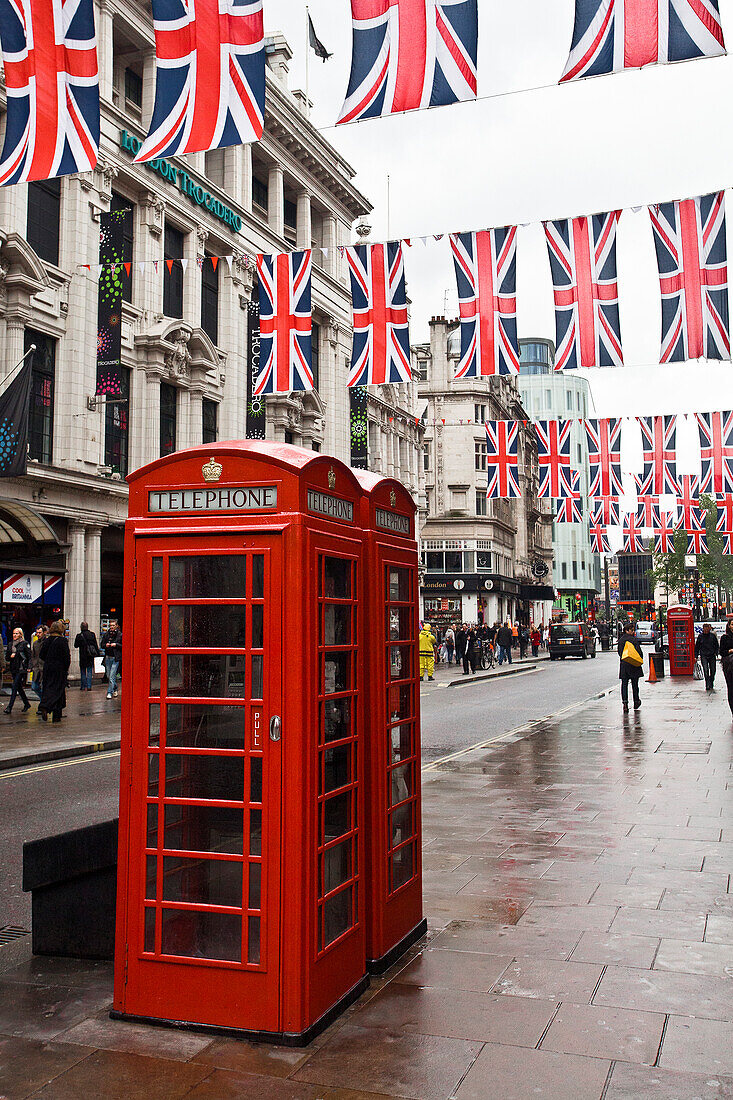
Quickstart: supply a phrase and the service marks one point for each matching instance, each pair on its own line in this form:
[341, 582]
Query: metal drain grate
[12, 932]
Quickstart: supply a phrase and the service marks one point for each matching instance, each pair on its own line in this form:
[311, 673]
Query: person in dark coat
[56, 660]
[17, 657]
[504, 639]
[461, 636]
[629, 674]
[707, 649]
[86, 643]
[470, 653]
[726, 660]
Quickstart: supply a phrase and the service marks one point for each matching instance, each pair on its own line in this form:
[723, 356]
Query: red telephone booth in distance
[241, 889]
[681, 640]
[392, 741]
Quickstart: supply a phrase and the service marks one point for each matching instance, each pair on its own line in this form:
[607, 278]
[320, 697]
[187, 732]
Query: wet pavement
[581, 941]
[91, 723]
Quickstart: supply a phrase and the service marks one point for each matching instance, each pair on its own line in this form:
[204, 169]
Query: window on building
[479, 456]
[290, 219]
[214, 166]
[260, 192]
[548, 398]
[479, 414]
[172, 273]
[564, 570]
[428, 501]
[209, 417]
[530, 352]
[43, 376]
[422, 370]
[44, 219]
[453, 561]
[315, 445]
[569, 401]
[426, 456]
[128, 241]
[168, 418]
[577, 400]
[289, 437]
[575, 570]
[210, 299]
[133, 90]
[580, 454]
[481, 503]
[117, 427]
[316, 353]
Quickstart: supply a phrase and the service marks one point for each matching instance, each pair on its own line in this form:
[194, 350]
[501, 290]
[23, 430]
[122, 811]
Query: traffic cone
[652, 670]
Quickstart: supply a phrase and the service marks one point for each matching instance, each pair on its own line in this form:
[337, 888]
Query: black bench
[72, 878]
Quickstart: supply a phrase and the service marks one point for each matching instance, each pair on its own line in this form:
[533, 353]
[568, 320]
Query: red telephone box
[392, 733]
[681, 638]
[241, 881]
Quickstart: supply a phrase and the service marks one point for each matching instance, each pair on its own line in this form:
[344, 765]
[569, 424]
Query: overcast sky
[611, 142]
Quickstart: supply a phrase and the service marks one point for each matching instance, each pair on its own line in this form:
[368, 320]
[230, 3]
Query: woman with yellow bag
[630, 669]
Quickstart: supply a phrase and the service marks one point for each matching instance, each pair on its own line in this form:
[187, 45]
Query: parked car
[645, 631]
[571, 640]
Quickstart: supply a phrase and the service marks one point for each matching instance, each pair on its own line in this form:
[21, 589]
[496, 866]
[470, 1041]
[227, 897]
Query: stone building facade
[489, 559]
[186, 328]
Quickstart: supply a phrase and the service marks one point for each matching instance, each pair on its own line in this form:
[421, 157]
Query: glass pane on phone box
[204, 829]
[336, 816]
[337, 673]
[402, 742]
[155, 674]
[208, 576]
[400, 784]
[401, 824]
[399, 584]
[151, 876]
[399, 662]
[203, 881]
[337, 579]
[255, 832]
[255, 886]
[149, 944]
[336, 866]
[206, 675]
[257, 687]
[337, 915]
[202, 726]
[257, 625]
[403, 864]
[258, 577]
[400, 624]
[156, 579]
[153, 780]
[152, 827]
[156, 626]
[217, 627]
[255, 779]
[199, 935]
[154, 724]
[215, 778]
[336, 719]
[400, 701]
[253, 940]
[337, 624]
[337, 767]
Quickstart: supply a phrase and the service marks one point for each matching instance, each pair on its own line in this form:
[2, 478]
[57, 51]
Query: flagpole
[307, 62]
[17, 367]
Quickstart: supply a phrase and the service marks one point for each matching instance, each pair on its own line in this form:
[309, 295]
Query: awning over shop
[19, 524]
[537, 592]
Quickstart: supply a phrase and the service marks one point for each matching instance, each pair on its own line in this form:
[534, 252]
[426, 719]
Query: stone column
[148, 87]
[276, 200]
[93, 583]
[330, 242]
[184, 437]
[246, 169]
[303, 231]
[196, 417]
[152, 418]
[14, 339]
[75, 577]
[105, 38]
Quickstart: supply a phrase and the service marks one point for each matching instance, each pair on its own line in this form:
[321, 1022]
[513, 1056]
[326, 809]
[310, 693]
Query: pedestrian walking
[35, 664]
[111, 646]
[536, 641]
[630, 666]
[461, 636]
[86, 643]
[504, 639]
[450, 643]
[427, 652]
[523, 641]
[726, 660]
[470, 654]
[56, 660]
[707, 649]
[18, 657]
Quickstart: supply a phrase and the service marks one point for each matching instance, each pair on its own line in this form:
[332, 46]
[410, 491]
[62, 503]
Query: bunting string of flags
[210, 67]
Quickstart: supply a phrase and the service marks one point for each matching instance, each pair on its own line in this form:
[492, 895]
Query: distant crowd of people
[42, 664]
[463, 643]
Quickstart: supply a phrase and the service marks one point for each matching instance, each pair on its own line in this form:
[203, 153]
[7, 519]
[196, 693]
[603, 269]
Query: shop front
[469, 598]
[29, 599]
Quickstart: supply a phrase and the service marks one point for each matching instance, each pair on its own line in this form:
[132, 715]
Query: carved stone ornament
[202, 234]
[153, 209]
[178, 361]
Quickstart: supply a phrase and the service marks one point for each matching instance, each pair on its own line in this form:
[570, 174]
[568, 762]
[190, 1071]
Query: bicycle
[488, 655]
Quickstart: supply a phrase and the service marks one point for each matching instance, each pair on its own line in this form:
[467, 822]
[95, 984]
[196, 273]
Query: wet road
[454, 718]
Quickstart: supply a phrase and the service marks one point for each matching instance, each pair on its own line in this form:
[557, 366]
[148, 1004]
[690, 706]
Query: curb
[491, 675]
[70, 752]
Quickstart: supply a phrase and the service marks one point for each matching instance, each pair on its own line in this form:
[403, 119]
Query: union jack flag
[689, 237]
[716, 452]
[381, 348]
[612, 35]
[583, 261]
[599, 539]
[647, 509]
[605, 512]
[727, 540]
[553, 452]
[502, 458]
[659, 441]
[604, 457]
[49, 50]
[724, 505]
[570, 507]
[486, 274]
[664, 533]
[409, 54]
[688, 503]
[632, 534]
[697, 542]
[285, 323]
[209, 76]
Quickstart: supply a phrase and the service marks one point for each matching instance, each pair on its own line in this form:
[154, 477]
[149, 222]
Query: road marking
[517, 729]
[88, 758]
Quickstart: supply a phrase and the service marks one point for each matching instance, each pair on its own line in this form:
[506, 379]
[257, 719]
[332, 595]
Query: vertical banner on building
[112, 231]
[358, 427]
[256, 418]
